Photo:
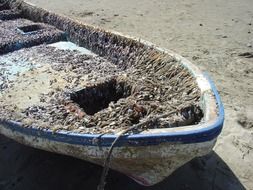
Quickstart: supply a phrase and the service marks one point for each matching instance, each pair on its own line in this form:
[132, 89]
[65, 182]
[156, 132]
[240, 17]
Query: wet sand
[212, 34]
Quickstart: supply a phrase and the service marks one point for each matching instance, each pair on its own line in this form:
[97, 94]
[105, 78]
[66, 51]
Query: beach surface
[215, 35]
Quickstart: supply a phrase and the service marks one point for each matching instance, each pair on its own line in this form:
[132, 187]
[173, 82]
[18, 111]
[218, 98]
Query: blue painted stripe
[193, 136]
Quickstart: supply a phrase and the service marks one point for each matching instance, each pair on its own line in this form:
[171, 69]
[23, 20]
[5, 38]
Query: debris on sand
[246, 54]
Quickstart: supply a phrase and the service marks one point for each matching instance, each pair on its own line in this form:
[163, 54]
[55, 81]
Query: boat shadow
[25, 168]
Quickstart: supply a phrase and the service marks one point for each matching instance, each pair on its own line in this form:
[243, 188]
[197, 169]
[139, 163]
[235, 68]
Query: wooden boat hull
[148, 157]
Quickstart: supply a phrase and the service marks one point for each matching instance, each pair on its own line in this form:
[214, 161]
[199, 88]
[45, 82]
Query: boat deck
[49, 82]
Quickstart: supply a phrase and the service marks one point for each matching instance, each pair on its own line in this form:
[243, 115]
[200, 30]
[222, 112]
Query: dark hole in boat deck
[98, 97]
[4, 6]
[30, 28]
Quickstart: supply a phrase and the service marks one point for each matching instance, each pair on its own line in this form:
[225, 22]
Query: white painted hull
[147, 165]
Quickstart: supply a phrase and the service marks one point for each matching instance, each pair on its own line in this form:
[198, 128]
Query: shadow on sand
[25, 168]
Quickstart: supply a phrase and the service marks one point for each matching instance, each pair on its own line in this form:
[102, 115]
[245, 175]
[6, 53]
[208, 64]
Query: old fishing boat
[100, 96]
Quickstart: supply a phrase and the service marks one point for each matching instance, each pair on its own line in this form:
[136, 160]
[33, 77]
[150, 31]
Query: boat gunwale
[210, 129]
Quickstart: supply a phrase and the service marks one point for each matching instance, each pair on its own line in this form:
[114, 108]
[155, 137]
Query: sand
[212, 34]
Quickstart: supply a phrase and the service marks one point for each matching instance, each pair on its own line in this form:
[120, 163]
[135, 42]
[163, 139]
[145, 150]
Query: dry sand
[212, 34]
